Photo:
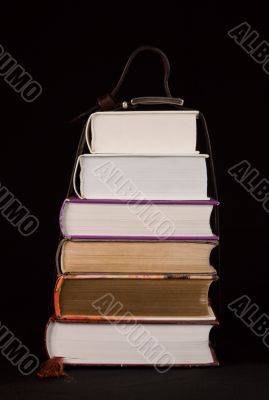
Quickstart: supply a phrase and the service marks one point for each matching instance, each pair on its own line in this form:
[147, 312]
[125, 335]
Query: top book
[151, 132]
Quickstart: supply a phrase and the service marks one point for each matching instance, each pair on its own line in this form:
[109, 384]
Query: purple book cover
[116, 201]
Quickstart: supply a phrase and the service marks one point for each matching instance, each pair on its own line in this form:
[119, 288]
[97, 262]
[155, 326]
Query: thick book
[93, 256]
[142, 132]
[152, 177]
[163, 219]
[145, 296]
[185, 343]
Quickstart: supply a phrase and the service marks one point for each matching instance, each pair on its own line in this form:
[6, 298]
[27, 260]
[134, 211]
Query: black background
[77, 51]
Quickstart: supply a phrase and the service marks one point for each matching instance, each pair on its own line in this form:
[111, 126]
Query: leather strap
[107, 101]
[211, 161]
[165, 62]
[80, 148]
[156, 100]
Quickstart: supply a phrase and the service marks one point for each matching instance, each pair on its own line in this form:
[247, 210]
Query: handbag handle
[108, 101]
[165, 62]
[155, 101]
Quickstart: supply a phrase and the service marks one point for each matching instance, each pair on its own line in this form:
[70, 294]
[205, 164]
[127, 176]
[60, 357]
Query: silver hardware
[124, 105]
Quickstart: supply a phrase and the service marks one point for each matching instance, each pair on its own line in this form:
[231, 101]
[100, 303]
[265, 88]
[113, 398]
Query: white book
[152, 177]
[142, 132]
[130, 344]
[142, 219]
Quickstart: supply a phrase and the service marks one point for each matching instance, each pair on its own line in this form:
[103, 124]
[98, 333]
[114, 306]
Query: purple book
[137, 220]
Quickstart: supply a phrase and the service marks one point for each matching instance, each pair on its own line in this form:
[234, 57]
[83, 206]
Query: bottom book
[163, 345]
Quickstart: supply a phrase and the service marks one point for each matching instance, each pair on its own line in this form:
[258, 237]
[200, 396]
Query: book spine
[143, 238]
[210, 202]
[61, 224]
[58, 256]
[57, 292]
[142, 276]
[75, 319]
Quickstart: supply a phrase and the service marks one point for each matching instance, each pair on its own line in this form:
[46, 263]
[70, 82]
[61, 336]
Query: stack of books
[134, 265]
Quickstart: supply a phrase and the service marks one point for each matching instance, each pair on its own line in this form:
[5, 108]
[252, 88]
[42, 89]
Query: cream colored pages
[153, 177]
[142, 132]
[82, 343]
[136, 257]
[136, 220]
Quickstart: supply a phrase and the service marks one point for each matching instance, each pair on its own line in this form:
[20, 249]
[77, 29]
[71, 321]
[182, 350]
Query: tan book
[115, 296]
[76, 256]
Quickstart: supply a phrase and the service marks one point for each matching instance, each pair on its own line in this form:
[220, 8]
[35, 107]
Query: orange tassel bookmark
[52, 368]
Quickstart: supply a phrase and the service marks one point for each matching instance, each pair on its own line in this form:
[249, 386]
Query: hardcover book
[142, 132]
[152, 177]
[145, 296]
[117, 256]
[185, 343]
[108, 219]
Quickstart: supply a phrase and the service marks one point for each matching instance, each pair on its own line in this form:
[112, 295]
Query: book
[145, 296]
[91, 256]
[108, 219]
[152, 177]
[142, 132]
[185, 343]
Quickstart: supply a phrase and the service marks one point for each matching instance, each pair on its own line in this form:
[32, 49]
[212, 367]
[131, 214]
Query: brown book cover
[98, 296]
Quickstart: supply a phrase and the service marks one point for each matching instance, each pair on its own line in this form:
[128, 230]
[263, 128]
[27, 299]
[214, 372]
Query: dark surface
[243, 380]
[62, 47]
